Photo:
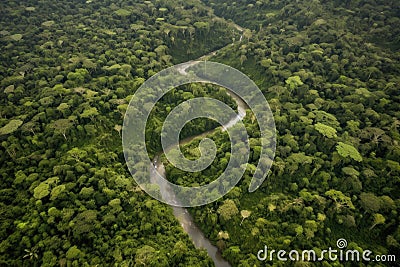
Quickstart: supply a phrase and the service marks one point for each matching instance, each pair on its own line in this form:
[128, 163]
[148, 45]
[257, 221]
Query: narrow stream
[183, 216]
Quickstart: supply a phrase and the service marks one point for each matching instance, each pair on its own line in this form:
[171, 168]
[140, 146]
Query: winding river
[183, 216]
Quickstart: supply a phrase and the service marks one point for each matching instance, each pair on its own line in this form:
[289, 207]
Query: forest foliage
[330, 72]
[68, 70]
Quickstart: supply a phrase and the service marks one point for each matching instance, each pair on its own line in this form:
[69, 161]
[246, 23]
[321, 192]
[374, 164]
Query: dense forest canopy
[67, 73]
[68, 69]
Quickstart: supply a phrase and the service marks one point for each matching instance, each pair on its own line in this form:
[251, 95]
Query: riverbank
[183, 216]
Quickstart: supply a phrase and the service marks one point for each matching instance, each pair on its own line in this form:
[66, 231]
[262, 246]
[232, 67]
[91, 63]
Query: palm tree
[32, 254]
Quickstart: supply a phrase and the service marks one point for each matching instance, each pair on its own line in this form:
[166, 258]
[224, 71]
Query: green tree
[378, 219]
[227, 210]
[326, 130]
[369, 202]
[293, 82]
[340, 199]
[90, 113]
[179, 251]
[145, 256]
[346, 150]
[73, 253]
[10, 127]
[61, 126]
[245, 214]
[56, 191]
[42, 190]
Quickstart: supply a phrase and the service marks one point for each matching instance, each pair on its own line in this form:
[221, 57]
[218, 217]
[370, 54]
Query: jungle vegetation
[329, 69]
